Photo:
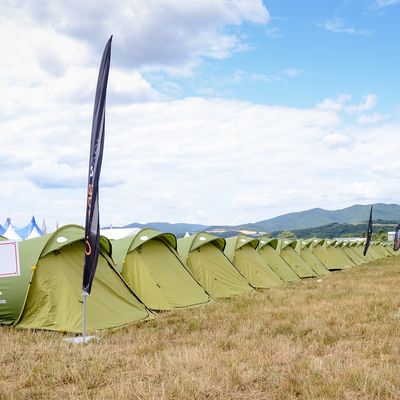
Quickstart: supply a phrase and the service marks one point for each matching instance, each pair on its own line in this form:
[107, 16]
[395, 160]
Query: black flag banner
[369, 233]
[92, 225]
[396, 243]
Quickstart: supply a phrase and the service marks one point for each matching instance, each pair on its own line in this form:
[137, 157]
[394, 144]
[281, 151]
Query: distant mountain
[318, 217]
[178, 229]
[315, 217]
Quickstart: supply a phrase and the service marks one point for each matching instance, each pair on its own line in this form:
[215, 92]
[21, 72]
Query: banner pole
[84, 295]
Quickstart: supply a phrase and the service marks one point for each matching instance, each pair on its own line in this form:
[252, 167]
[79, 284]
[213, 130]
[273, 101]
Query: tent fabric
[286, 249]
[47, 294]
[267, 251]
[359, 249]
[10, 233]
[308, 257]
[150, 265]
[33, 234]
[333, 258]
[241, 250]
[25, 232]
[348, 249]
[204, 257]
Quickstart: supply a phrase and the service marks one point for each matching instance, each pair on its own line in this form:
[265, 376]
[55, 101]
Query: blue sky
[308, 51]
[219, 111]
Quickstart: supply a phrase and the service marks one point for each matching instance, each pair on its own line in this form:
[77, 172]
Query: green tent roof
[152, 268]
[193, 242]
[204, 257]
[47, 294]
[241, 251]
[267, 250]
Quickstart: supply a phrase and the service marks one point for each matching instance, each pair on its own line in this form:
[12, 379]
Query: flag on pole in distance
[396, 243]
[369, 232]
[92, 224]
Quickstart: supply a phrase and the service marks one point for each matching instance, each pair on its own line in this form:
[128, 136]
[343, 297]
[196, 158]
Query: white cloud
[234, 160]
[338, 26]
[373, 118]
[152, 34]
[369, 102]
[292, 72]
[334, 104]
[336, 140]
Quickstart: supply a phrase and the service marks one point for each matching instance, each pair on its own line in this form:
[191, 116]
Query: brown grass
[335, 338]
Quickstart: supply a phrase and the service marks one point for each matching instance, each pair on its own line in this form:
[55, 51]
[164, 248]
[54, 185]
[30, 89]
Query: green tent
[267, 250]
[150, 265]
[332, 257]
[204, 257]
[286, 249]
[359, 249]
[389, 248]
[241, 251]
[308, 257]
[47, 293]
[379, 250]
[348, 248]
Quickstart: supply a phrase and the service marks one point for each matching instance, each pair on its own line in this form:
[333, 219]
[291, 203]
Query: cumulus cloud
[336, 104]
[369, 101]
[152, 34]
[197, 160]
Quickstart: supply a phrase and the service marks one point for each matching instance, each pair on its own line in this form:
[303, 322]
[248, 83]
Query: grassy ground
[335, 338]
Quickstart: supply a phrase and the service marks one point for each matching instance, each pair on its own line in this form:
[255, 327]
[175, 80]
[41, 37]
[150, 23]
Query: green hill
[319, 217]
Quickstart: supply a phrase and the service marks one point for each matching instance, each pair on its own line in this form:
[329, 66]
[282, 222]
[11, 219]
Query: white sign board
[9, 260]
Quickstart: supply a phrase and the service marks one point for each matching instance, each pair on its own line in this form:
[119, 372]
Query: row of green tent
[140, 275]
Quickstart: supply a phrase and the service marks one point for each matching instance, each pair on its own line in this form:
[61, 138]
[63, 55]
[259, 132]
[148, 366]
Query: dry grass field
[335, 338]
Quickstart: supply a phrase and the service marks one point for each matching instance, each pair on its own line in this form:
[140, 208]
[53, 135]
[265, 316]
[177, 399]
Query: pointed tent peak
[11, 234]
[267, 241]
[34, 234]
[26, 230]
[187, 234]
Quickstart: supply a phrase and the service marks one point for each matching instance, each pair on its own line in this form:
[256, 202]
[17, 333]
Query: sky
[218, 111]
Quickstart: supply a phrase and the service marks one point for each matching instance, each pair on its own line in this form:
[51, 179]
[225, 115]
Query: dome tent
[348, 248]
[241, 251]
[204, 257]
[150, 265]
[332, 257]
[47, 294]
[267, 250]
[286, 249]
[308, 257]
